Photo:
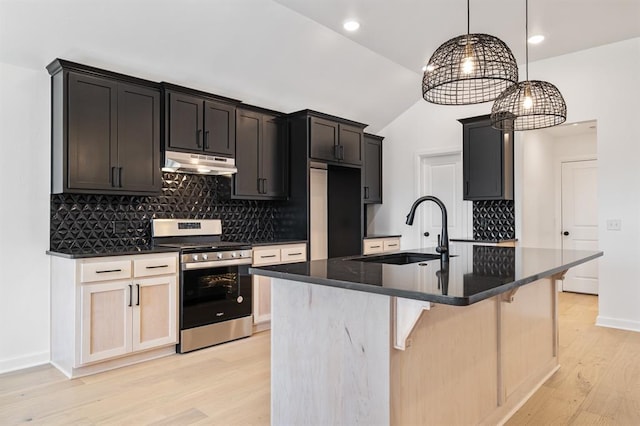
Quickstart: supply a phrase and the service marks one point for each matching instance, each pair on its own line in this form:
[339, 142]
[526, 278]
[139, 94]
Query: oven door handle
[216, 263]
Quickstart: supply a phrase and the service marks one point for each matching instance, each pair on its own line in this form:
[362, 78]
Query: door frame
[467, 210]
[558, 197]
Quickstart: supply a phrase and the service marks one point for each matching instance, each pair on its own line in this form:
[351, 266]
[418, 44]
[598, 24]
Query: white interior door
[580, 221]
[441, 176]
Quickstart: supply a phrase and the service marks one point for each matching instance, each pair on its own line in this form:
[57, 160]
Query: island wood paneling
[448, 373]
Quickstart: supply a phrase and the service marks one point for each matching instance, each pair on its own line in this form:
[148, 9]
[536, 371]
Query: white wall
[601, 83]
[24, 217]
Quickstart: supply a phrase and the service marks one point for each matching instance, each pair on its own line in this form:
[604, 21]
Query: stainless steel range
[215, 285]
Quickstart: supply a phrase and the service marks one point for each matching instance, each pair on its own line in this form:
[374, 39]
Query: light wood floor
[598, 383]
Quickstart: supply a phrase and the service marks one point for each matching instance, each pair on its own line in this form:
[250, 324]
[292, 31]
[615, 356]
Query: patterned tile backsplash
[494, 220]
[82, 221]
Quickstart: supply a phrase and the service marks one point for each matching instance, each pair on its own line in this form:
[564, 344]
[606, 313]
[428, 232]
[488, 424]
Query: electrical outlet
[120, 227]
[614, 224]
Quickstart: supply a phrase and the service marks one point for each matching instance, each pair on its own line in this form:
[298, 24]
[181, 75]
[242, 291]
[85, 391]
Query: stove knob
[195, 257]
[205, 256]
[234, 254]
[219, 256]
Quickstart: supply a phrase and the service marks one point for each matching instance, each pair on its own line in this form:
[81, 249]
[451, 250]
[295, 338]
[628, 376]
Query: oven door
[213, 295]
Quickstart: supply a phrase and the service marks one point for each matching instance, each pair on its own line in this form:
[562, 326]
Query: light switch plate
[614, 225]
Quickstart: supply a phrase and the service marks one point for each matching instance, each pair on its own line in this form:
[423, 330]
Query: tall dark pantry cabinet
[333, 146]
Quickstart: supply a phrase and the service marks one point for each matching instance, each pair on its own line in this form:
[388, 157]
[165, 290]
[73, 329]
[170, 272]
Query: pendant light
[530, 104]
[469, 69]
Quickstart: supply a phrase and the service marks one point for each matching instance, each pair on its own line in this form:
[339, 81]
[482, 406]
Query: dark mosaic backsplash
[494, 220]
[81, 221]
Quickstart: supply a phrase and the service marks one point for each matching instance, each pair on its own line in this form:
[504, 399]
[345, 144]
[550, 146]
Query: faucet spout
[443, 238]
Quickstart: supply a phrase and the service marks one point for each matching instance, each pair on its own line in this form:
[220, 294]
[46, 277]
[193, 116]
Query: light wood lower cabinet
[380, 245]
[271, 255]
[109, 313]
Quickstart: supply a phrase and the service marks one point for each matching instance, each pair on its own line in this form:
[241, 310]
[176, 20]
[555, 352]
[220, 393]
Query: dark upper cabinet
[372, 169]
[105, 131]
[199, 122]
[262, 159]
[487, 160]
[335, 141]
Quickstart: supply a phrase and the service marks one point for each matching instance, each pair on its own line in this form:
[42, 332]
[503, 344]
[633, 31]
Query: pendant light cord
[468, 19]
[526, 36]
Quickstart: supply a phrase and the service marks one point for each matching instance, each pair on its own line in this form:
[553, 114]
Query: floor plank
[598, 384]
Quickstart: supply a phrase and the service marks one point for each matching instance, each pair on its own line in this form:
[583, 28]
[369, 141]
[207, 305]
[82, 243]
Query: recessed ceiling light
[535, 39]
[351, 25]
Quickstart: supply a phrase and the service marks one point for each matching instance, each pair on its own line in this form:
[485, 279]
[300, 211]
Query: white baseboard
[7, 365]
[618, 323]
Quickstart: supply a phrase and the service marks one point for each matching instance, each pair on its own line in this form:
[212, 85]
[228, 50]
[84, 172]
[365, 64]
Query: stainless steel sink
[398, 258]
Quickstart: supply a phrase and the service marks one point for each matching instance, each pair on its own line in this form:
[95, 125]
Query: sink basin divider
[405, 314]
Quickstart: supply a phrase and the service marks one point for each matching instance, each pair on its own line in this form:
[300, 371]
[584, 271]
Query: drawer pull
[295, 254]
[375, 246]
[267, 256]
[108, 270]
[157, 266]
[392, 245]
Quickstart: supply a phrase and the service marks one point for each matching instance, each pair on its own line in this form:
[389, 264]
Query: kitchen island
[430, 342]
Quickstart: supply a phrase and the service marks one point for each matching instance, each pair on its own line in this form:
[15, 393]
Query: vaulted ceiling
[294, 54]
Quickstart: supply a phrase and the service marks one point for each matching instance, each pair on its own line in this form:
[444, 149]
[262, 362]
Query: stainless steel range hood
[203, 164]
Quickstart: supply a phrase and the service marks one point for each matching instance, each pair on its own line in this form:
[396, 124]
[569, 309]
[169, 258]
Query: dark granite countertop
[471, 240]
[372, 236]
[80, 253]
[279, 242]
[474, 273]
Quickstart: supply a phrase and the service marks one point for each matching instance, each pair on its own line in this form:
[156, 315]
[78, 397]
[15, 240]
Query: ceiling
[293, 54]
[409, 31]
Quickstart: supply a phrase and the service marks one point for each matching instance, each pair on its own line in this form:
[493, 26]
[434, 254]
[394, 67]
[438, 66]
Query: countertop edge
[112, 253]
[446, 300]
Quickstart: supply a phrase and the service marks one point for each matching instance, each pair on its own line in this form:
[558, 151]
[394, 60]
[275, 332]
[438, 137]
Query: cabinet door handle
[130, 295]
[138, 296]
[198, 138]
[157, 266]
[264, 185]
[119, 177]
[366, 192]
[336, 152]
[113, 176]
[341, 152]
[206, 139]
[104, 271]
[259, 182]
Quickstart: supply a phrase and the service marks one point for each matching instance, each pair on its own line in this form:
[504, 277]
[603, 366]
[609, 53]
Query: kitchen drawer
[391, 244]
[105, 271]
[290, 254]
[373, 246]
[154, 266]
[266, 256]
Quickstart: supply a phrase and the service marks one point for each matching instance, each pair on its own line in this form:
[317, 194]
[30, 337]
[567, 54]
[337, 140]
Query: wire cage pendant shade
[530, 104]
[469, 69]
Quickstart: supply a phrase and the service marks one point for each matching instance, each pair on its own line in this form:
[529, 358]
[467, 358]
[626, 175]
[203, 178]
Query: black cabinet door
[350, 150]
[324, 139]
[92, 132]
[138, 166]
[487, 161]
[219, 128]
[185, 122]
[273, 158]
[248, 135]
[372, 173]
